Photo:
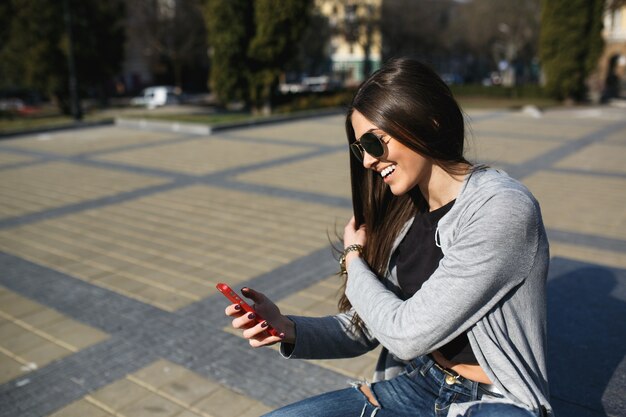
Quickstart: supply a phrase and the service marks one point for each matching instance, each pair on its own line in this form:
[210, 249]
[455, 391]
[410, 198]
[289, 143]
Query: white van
[153, 97]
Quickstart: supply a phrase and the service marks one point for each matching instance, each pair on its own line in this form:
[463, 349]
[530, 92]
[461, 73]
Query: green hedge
[302, 101]
[294, 102]
[520, 91]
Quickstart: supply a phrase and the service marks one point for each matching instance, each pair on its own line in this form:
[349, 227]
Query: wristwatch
[346, 251]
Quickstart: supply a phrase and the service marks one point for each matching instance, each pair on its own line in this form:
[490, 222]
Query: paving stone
[159, 373]
[45, 353]
[19, 307]
[199, 156]
[92, 141]
[9, 368]
[80, 408]
[597, 158]
[225, 403]
[180, 230]
[497, 150]
[41, 318]
[56, 184]
[306, 175]
[150, 406]
[23, 341]
[189, 388]
[8, 159]
[563, 208]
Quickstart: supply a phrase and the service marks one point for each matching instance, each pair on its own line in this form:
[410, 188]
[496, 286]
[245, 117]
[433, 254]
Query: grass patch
[470, 102]
[26, 123]
[470, 97]
[17, 124]
[207, 119]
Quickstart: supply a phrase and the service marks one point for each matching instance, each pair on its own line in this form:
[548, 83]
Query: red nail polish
[251, 316]
[264, 324]
[237, 307]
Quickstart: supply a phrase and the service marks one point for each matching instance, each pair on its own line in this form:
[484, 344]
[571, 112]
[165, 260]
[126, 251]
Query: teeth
[387, 171]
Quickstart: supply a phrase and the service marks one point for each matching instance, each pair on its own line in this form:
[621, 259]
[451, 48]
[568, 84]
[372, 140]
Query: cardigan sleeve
[492, 252]
[330, 337]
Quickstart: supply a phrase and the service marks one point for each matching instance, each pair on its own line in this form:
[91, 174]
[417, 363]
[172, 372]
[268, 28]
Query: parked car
[319, 84]
[316, 84]
[286, 88]
[153, 97]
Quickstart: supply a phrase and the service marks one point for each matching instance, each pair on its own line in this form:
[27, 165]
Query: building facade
[356, 44]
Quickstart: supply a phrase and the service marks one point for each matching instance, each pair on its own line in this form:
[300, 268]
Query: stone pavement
[112, 241]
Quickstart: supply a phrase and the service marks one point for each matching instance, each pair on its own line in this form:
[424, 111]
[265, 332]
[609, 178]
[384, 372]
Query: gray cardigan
[490, 284]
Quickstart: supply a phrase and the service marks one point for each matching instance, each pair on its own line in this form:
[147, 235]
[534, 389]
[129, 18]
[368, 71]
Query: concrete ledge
[279, 118]
[206, 129]
[48, 129]
[178, 127]
[159, 125]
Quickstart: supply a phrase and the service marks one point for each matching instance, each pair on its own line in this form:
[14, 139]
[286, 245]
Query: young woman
[445, 266]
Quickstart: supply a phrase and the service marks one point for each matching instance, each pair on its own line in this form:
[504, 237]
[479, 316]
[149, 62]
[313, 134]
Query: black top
[417, 257]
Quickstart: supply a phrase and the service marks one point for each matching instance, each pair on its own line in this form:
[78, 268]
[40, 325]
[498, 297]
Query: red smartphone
[236, 299]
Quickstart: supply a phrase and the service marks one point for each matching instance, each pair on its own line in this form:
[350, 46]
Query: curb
[206, 129]
[179, 127]
[70, 126]
[157, 125]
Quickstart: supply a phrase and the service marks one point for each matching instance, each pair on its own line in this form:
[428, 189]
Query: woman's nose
[368, 160]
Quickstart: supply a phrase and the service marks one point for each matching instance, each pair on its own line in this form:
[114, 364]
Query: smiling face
[400, 167]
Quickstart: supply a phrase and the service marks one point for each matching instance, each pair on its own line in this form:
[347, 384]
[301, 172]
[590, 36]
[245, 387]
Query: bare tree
[173, 32]
[466, 37]
[416, 27]
[504, 31]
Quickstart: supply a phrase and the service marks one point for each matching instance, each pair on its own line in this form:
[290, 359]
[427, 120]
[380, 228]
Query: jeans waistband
[426, 365]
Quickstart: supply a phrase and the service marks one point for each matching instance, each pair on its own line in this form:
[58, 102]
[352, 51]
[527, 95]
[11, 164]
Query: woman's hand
[354, 236]
[255, 332]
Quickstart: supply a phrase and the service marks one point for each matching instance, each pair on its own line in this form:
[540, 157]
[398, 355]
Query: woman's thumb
[255, 296]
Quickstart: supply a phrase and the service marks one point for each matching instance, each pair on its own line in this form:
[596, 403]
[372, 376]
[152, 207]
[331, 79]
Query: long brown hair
[408, 101]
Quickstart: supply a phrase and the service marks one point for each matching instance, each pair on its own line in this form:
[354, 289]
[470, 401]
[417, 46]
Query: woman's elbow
[406, 350]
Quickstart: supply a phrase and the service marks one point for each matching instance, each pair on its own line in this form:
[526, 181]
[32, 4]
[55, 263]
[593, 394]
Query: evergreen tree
[34, 54]
[279, 25]
[570, 45]
[229, 27]
[252, 42]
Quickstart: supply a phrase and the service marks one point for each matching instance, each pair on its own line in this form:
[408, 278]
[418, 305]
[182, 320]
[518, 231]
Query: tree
[252, 42]
[174, 33]
[279, 25]
[35, 52]
[502, 33]
[467, 39]
[570, 45]
[230, 28]
[415, 27]
[313, 50]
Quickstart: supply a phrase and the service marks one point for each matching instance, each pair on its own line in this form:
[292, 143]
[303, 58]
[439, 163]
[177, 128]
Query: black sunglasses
[371, 143]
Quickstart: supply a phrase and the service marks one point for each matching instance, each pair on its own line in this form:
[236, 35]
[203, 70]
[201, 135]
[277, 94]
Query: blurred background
[88, 59]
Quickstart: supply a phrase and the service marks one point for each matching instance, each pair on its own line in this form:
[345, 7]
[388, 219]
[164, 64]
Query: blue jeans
[422, 391]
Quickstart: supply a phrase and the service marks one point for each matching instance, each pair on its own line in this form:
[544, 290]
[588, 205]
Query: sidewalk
[112, 240]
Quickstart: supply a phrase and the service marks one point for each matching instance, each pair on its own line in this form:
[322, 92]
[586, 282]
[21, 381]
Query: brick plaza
[112, 240]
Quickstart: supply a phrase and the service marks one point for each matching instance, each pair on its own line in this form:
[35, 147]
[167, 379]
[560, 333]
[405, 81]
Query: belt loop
[427, 365]
[475, 386]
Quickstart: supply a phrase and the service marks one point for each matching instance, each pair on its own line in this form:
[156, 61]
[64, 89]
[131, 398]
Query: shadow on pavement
[587, 339]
